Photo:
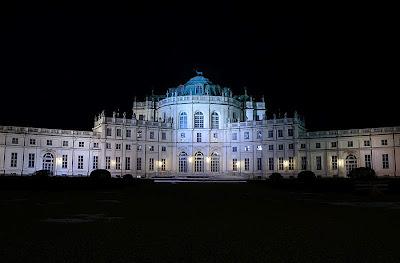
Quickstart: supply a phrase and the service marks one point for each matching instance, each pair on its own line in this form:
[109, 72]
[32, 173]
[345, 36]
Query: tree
[362, 173]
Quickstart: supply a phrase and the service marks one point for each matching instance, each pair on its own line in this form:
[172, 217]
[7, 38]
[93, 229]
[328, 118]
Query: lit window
[183, 120]
[259, 148]
[247, 148]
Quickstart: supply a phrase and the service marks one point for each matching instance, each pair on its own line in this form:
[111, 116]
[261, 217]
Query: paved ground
[197, 223]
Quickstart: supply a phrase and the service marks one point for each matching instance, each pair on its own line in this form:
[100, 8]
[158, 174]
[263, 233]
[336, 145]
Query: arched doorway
[351, 163]
[48, 162]
[182, 162]
[198, 162]
[215, 163]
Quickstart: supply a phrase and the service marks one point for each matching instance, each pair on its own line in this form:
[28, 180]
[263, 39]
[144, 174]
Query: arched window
[48, 162]
[215, 162]
[351, 163]
[183, 162]
[198, 120]
[183, 120]
[214, 120]
[199, 162]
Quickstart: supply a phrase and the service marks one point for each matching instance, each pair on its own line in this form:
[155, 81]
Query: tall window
[151, 164]
[199, 162]
[198, 137]
[280, 163]
[183, 120]
[234, 136]
[214, 120]
[318, 160]
[31, 160]
[108, 132]
[127, 163]
[350, 144]
[290, 132]
[259, 134]
[270, 133]
[367, 159]
[246, 135]
[214, 163]
[303, 162]
[246, 164]
[80, 161]
[119, 132]
[139, 164]
[118, 163]
[163, 136]
[384, 142]
[108, 162]
[234, 164]
[271, 165]
[151, 135]
[259, 164]
[64, 161]
[280, 133]
[198, 120]
[351, 163]
[163, 164]
[48, 162]
[291, 163]
[385, 161]
[334, 162]
[139, 134]
[128, 133]
[95, 162]
[183, 162]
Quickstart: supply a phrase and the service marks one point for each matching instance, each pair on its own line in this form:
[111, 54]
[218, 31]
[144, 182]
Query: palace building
[198, 128]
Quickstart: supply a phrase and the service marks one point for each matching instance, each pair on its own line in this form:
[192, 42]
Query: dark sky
[62, 64]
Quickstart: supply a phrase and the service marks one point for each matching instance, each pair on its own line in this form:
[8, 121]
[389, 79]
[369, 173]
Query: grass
[195, 223]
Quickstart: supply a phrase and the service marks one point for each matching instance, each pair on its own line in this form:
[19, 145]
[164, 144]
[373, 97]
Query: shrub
[275, 176]
[128, 177]
[306, 176]
[100, 174]
[42, 174]
[362, 173]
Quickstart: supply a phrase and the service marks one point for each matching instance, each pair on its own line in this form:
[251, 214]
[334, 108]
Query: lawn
[197, 223]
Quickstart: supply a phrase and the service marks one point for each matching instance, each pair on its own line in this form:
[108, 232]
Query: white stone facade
[198, 128]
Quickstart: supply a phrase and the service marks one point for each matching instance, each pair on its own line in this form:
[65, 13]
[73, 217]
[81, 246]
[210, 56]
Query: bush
[128, 177]
[275, 176]
[306, 176]
[42, 174]
[100, 174]
[362, 173]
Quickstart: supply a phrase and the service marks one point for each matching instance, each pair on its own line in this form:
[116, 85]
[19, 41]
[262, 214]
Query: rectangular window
[215, 135]
[49, 142]
[234, 136]
[151, 148]
[65, 143]
[271, 165]
[259, 148]
[108, 145]
[127, 163]
[108, 162]
[81, 144]
[32, 141]
[163, 136]
[151, 135]
[259, 164]
[182, 135]
[333, 144]
[367, 143]
[95, 162]
[139, 134]
[385, 161]
[95, 145]
[367, 159]
[141, 117]
[128, 147]
[234, 149]
[108, 132]
[291, 163]
[64, 161]
[198, 137]
[334, 162]
[247, 148]
[384, 142]
[246, 135]
[14, 140]
[234, 164]
[271, 147]
[350, 144]
[246, 164]
[118, 163]
[80, 161]
[128, 133]
[270, 134]
[31, 160]
[290, 132]
[303, 146]
[318, 145]
[259, 134]
[319, 162]
[163, 164]
[280, 133]
[139, 164]
[303, 163]
[291, 146]
[151, 164]
[117, 146]
[280, 163]
[119, 132]
[163, 148]
[14, 157]
[280, 147]
[139, 148]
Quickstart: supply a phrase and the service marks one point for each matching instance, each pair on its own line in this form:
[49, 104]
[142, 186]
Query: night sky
[60, 64]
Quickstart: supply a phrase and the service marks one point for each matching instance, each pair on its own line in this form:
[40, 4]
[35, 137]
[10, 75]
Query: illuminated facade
[198, 128]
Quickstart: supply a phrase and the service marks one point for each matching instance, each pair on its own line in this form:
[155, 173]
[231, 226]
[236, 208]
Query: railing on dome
[199, 98]
[350, 132]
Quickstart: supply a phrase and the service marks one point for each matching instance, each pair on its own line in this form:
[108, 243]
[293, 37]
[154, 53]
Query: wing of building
[198, 128]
